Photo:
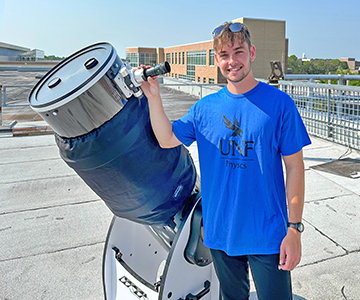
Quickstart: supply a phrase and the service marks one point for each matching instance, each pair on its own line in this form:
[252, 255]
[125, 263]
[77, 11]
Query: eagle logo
[235, 127]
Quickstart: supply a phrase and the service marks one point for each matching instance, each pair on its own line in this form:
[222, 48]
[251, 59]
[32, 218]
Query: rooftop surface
[53, 227]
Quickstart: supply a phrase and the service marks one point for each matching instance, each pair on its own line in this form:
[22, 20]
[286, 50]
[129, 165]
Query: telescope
[99, 114]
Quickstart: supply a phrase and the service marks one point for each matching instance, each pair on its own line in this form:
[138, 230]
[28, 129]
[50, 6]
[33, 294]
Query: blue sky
[320, 28]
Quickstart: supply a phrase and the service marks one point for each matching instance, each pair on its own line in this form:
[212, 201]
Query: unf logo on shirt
[232, 147]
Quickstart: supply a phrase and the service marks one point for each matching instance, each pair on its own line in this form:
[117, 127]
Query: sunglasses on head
[234, 27]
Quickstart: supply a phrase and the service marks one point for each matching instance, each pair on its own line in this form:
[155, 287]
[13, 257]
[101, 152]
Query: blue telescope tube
[123, 164]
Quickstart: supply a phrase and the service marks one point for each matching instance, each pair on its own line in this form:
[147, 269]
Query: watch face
[300, 227]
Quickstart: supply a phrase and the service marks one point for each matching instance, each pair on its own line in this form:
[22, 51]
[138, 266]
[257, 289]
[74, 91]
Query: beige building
[353, 64]
[268, 37]
[196, 61]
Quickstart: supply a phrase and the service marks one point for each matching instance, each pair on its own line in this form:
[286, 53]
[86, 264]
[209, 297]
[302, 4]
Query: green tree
[295, 65]
[53, 57]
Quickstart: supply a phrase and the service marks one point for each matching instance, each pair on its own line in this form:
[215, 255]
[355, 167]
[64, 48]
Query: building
[33, 55]
[304, 58]
[10, 53]
[143, 56]
[268, 37]
[353, 65]
[196, 61]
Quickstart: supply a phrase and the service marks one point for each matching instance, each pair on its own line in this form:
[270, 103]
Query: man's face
[235, 61]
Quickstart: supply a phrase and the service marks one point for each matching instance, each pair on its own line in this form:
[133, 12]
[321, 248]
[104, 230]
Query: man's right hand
[151, 87]
[160, 123]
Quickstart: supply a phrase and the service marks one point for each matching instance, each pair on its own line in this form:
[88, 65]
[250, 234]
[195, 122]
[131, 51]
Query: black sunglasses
[234, 27]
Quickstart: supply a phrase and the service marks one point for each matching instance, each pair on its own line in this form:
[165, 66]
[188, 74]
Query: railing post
[330, 128]
[1, 105]
[310, 98]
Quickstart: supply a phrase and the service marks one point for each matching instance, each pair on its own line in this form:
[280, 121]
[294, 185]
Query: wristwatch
[298, 226]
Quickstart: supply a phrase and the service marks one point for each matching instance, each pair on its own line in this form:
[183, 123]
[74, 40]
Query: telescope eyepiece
[157, 70]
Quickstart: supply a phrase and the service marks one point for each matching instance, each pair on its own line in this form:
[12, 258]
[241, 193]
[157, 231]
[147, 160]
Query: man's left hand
[290, 250]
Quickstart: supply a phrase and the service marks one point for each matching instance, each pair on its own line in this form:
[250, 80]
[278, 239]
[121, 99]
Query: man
[242, 133]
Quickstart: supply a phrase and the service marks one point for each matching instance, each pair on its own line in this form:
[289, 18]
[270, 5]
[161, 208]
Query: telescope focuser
[130, 79]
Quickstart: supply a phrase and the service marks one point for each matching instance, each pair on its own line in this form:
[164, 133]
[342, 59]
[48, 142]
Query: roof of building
[13, 47]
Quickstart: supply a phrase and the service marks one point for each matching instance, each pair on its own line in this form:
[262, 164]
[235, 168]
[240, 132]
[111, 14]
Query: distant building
[196, 61]
[10, 52]
[33, 55]
[304, 58]
[353, 65]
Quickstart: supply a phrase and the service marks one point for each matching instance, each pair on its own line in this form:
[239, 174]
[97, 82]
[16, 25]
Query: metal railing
[340, 78]
[16, 104]
[329, 111]
[13, 99]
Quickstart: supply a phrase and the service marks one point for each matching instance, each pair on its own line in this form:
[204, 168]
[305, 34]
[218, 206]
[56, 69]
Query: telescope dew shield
[109, 142]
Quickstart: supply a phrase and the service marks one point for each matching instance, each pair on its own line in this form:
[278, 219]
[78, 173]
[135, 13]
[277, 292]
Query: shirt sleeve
[293, 133]
[184, 128]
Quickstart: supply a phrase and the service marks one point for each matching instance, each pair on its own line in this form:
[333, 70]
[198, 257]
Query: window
[211, 57]
[183, 60]
[172, 58]
[196, 58]
[190, 73]
[176, 58]
[133, 58]
[204, 80]
[193, 58]
[147, 59]
[168, 57]
[211, 81]
[137, 59]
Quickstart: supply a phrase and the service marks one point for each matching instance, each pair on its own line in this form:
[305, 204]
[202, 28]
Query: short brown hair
[227, 37]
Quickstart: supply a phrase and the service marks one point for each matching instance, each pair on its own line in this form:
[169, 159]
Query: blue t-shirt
[240, 141]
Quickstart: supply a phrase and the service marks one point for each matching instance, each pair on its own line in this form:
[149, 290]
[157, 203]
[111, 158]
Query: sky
[319, 28]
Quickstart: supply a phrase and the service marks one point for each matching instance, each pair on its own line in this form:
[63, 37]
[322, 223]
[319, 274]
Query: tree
[53, 57]
[295, 65]
[316, 66]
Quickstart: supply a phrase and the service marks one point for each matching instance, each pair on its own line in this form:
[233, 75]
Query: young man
[242, 133]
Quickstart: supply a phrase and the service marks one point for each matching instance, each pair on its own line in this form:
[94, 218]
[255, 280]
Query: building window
[211, 58]
[183, 60]
[193, 58]
[211, 81]
[196, 58]
[172, 58]
[176, 58]
[137, 59]
[133, 58]
[204, 80]
[168, 57]
[190, 73]
[147, 59]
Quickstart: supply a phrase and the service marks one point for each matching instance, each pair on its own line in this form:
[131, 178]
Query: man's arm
[160, 123]
[290, 250]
